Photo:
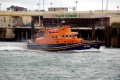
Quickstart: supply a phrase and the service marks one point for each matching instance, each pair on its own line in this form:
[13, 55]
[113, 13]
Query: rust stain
[52, 15]
[79, 15]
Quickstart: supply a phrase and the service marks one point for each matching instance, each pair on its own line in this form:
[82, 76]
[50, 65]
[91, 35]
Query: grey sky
[83, 5]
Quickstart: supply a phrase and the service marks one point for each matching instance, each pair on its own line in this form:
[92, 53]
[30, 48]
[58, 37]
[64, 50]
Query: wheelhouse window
[70, 35]
[63, 35]
[54, 36]
[66, 35]
[75, 35]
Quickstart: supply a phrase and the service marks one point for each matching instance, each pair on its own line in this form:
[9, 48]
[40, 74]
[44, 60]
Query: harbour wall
[112, 36]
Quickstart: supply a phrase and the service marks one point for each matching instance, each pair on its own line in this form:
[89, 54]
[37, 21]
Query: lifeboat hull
[64, 47]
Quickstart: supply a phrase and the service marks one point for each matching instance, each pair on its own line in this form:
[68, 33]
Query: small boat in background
[60, 39]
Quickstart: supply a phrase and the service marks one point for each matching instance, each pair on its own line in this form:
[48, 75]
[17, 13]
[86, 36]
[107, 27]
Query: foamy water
[12, 46]
[18, 63]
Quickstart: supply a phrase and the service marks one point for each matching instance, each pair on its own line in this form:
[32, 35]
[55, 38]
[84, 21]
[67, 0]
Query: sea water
[19, 63]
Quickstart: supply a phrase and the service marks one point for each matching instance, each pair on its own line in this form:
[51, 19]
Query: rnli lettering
[66, 15]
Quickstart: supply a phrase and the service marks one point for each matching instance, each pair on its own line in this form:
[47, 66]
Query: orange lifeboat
[61, 35]
[61, 38]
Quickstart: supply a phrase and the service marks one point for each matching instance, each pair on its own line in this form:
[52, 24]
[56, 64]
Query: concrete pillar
[11, 22]
[39, 21]
[18, 35]
[1, 22]
[26, 35]
[22, 35]
[108, 31]
[93, 31]
[79, 33]
[88, 36]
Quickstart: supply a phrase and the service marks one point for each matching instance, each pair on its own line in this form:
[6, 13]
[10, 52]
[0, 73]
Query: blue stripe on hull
[60, 47]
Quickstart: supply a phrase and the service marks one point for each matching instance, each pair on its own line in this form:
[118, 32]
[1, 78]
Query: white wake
[11, 48]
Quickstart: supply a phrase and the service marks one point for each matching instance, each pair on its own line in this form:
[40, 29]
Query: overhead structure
[76, 4]
[0, 7]
[51, 4]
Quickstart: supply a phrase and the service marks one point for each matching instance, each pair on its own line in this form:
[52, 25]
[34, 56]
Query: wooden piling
[93, 31]
[108, 36]
[26, 35]
[17, 35]
[118, 35]
[32, 29]
[115, 39]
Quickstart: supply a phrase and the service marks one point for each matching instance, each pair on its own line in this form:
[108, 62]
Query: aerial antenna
[73, 8]
[61, 3]
[76, 4]
[91, 12]
[51, 4]
[107, 5]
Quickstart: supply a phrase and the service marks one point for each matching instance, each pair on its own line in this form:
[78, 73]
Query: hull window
[55, 36]
[66, 35]
[70, 35]
[63, 35]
